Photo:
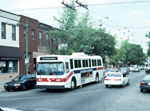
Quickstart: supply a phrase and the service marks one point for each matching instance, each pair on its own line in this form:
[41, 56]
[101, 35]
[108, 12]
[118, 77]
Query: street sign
[26, 60]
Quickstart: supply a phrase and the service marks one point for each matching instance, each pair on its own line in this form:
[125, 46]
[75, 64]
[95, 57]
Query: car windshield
[114, 75]
[146, 77]
[53, 68]
[20, 78]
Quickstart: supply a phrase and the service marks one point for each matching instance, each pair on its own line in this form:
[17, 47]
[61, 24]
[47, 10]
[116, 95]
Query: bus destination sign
[48, 58]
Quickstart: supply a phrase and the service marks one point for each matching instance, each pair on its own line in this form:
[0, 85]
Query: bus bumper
[50, 87]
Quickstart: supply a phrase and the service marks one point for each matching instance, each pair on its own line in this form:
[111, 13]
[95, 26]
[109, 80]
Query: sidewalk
[5, 77]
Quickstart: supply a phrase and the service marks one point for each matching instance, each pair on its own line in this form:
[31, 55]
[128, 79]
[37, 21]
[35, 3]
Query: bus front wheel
[73, 84]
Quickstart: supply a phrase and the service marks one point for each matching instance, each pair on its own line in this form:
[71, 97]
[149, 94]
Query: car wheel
[73, 84]
[8, 90]
[106, 86]
[122, 85]
[141, 90]
[23, 87]
[128, 83]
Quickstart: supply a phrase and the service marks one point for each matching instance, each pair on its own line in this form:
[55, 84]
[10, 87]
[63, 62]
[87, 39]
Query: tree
[130, 54]
[78, 35]
[74, 31]
[105, 43]
[148, 50]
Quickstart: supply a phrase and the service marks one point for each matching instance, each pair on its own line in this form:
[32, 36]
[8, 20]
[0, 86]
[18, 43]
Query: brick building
[39, 42]
[32, 42]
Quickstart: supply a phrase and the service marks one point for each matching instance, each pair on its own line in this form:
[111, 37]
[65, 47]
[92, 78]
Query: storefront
[9, 59]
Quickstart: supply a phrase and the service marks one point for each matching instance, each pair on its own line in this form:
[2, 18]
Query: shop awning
[9, 52]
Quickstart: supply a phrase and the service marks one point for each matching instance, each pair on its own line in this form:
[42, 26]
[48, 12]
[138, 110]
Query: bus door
[85, 75]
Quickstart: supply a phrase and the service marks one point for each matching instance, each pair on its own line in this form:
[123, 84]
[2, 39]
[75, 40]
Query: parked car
[145, 83]
[141, 67]
[131, 68]
[109, 71]
[135, 69]
[147, 70]
[21, 82]
[117, 79]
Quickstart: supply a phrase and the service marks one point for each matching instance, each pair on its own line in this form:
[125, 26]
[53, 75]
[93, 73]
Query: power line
[113, 3]
[117, 3]
[122, 9]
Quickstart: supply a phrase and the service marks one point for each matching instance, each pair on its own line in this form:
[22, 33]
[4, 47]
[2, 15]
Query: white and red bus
[68, 71]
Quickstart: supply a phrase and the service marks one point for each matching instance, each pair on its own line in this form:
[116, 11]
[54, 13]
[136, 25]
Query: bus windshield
[53, 68]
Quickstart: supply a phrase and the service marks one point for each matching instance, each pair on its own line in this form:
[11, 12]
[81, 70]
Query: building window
[3, 31]
[13, 32]
[33, 34]
[47, 40]
[40, 38]
[24, 33]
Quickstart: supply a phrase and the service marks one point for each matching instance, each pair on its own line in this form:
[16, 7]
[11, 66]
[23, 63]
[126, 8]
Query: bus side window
[89, 62]
[71, 63]
[67, 66]
[99, 62]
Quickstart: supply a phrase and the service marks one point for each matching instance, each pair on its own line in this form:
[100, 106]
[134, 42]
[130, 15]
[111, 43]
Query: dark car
[145, 83]
[124, 70]
[147, 70]
[21, 82]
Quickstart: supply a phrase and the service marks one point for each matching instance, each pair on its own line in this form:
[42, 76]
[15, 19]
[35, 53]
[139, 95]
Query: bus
[68, 71]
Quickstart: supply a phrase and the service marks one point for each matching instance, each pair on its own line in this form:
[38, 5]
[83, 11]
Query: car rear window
[114, 75]
[146, 77]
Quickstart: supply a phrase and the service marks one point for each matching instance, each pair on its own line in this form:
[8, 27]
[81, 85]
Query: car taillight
[107, 79]
[117, 79]
[142, 83]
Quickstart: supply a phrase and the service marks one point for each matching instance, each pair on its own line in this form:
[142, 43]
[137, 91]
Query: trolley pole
[27, 57]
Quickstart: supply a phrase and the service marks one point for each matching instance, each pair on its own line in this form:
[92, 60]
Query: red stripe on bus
[99, 68]
[54, 79]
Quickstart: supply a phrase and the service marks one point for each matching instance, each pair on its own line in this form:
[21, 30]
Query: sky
[127, 19]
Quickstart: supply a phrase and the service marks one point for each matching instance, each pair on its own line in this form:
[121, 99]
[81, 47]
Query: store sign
[2, 64]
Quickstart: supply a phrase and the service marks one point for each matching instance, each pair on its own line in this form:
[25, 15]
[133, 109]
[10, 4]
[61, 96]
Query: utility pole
[27, 58]
[81, 4]
[68, 6]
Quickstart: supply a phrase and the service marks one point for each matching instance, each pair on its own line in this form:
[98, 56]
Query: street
[92, 97]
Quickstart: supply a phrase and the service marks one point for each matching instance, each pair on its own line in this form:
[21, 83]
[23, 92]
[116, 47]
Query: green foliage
[148, 50]
[129, 54]
[77, 32]
[104, 44]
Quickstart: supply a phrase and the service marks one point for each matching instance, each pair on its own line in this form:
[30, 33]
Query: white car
[117, 79]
